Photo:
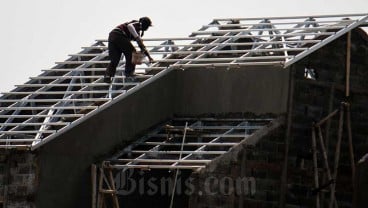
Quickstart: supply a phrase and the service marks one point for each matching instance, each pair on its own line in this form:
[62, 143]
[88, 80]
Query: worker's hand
[151, 59]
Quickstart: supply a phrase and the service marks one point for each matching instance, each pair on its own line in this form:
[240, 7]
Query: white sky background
[34, 34]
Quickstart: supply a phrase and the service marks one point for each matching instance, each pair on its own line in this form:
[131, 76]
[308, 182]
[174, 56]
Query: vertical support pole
[93, 178]
[100, 199]
[326, 139]
[113, 195]
[348, 56]
[337, 155]
[351, 148]
[315, 165]
[328, 123]
[177, 170]
[324, 153]
[325, 159]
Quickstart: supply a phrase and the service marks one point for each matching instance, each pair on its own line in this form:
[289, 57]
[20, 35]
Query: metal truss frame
[185, 143]
[61, 97]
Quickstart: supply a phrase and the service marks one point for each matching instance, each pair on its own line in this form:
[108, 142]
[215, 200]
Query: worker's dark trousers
[119, 44]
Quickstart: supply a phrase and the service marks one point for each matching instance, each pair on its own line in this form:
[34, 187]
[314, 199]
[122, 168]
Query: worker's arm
[138, 39]
[143, 48]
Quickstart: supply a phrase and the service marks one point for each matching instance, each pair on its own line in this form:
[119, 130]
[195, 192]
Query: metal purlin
[50, 118]
[60, 103]
[201, 148]
[264, 44]
[22, 103]
[66, 96]
[267, 24]
[207, 47]
[191, 56]
[143, 155]
[326, 41]
[153, 157]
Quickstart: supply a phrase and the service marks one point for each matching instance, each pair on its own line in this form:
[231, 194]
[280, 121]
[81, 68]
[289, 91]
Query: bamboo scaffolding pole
[315, 165]
[324, 153]
[327, 118]
[100, 195]
[351, 148]
[344, 107]
[325, 159]
[110, 185]
[348, 57]
[94, 188]
[327, 135]
[328, 123]
[113, 195]
[337, 155]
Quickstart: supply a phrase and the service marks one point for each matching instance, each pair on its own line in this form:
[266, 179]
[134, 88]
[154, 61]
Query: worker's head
[145, 23]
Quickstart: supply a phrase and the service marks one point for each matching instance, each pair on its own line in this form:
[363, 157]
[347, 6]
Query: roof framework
[186, 143]
[72, 91]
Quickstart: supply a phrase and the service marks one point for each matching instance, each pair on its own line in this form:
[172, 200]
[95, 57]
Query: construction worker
[119, 42]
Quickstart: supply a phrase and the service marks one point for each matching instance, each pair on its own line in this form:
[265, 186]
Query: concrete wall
[18, 173]
[246, 176]
[64, 179]
[361, 183]
[259, 90]
[314, 100]
[65, 162]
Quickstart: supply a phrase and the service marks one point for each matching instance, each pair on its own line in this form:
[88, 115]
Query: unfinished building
[245, 112]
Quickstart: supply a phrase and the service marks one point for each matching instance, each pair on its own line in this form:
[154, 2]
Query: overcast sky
[37, 33]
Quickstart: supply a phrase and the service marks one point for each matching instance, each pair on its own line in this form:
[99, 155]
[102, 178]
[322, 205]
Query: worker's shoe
[129, 74]
[129, 77]
[107, 79]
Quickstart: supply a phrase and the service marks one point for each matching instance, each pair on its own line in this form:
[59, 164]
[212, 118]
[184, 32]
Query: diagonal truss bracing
[72, 91]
